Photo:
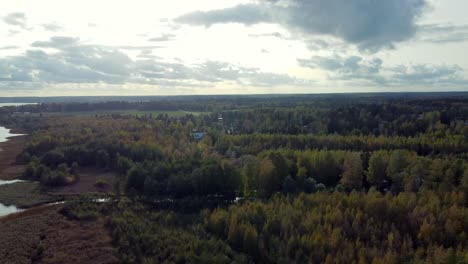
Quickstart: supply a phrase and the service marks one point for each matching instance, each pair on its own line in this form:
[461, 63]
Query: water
[6, 210]
[5, 134]
[15, 104]
[2, 182]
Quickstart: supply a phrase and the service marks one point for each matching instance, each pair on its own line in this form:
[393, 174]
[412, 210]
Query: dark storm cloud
[75, 62]
[16, 19]
[370, 24]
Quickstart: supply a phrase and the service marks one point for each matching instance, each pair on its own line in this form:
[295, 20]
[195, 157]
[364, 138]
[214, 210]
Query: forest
[260, 179]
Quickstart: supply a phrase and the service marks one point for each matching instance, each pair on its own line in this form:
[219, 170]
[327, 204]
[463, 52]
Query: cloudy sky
[232, 46]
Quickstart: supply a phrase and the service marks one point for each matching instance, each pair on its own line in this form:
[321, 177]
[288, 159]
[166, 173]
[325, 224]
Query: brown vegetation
[9, 151]
[69, 241]
[24, 195]
[21, 234]
[43, 235]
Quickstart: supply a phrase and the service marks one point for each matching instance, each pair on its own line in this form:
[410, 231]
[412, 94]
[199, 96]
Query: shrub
[101, 183]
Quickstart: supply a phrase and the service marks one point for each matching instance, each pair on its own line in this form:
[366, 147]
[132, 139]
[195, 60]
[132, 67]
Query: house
[198, 135]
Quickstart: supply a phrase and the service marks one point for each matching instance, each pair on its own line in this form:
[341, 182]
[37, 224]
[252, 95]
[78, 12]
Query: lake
[6, 210]
[5, 134]
[2, 182]
[15, 104]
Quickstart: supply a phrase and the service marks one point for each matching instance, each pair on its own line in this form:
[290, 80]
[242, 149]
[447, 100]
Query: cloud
[163, 37]
[273, 34]
[56, 42]
[9, 47]
[52, 27]
[343, 65]
[369, 24]
[75, 62]
[347, 68]
[356, 69]
[213, 72]
[16, 19]
[247, 14]
[428, 74]
[147, 47]
[443, 33]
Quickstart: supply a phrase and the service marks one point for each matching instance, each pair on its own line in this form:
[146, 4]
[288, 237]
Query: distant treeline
[423, 145]
[354, 116]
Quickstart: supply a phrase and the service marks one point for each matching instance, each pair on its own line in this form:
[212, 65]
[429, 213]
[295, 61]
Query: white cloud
[16, 19]
[252, 46]
[75, 62]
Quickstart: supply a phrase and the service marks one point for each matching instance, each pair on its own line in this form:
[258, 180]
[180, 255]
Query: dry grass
[43, 235]
[24, 195]
[20, 234]
[77, 242]
[9, 151]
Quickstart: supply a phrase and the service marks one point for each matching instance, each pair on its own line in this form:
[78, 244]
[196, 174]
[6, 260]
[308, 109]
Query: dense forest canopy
[280, 179]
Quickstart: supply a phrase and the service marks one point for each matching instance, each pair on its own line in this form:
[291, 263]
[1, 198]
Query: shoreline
[24, 195]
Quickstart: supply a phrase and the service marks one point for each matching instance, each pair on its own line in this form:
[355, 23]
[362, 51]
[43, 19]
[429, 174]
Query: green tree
[269, 180]
[310, 185]
[352, 172]
[249, 175]
[250, 243]
[289, 185]
[301, 177]
[397, 163]
[377, 171]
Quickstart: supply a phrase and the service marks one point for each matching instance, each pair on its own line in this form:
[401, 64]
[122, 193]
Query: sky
[147, 47]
